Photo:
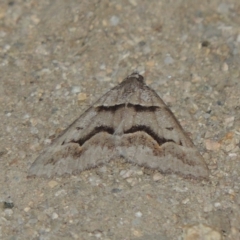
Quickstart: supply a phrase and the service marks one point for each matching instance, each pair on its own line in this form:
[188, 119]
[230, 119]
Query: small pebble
[34, 130]
[217, 205]
[238, 38]
[212, 145]
[126, 173]
[54, 216]
[58, 87]
[185, 201]
[8, 205]
[139, 172]
[133, 2]
[196, 78]
[114, 20]
[8, 212]
[61, 192]
[82, 97]
[228, 122]
[199, 232]
[98, 235]
[230, 147]
[168, 60]
[138, 214]
[225, 67]
[26, 209]
[137, 233]
[208, 207]
[52, 184]
[157, 176]
[76, 89]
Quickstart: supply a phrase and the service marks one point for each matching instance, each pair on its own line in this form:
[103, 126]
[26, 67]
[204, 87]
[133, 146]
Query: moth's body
[130, 121]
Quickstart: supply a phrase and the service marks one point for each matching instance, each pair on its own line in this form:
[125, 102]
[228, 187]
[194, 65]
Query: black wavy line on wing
[109, 130]
[137, 108]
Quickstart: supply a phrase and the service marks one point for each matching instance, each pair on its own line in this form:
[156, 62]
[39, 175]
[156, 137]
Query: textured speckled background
[57, 57]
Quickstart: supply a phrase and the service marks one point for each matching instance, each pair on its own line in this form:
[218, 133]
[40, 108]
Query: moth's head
[135, 76]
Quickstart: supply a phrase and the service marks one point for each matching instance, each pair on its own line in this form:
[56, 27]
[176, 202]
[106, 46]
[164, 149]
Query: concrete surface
[58, 57]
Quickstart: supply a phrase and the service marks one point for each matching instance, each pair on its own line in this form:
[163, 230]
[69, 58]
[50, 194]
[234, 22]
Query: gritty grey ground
[58, 57]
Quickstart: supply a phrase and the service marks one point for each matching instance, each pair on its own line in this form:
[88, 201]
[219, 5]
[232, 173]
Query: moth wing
[67, 154]
[153, 137]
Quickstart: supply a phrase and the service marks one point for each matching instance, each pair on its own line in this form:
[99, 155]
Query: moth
[131, 122]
